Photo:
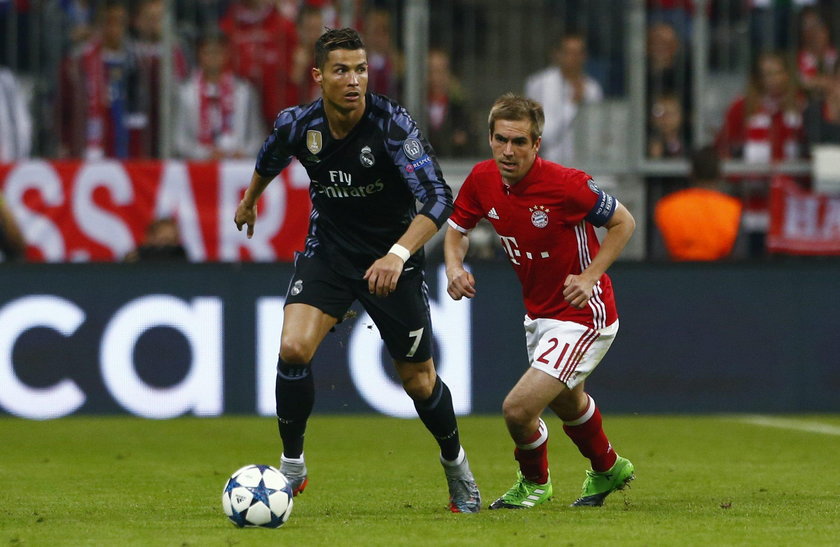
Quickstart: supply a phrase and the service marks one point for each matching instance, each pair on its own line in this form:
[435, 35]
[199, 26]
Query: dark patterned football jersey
[365, 188]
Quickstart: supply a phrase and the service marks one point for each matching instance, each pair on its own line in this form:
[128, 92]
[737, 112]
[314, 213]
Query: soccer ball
[257, 495]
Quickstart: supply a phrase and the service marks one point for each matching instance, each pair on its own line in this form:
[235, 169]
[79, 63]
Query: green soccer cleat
[599, 485]
[524, 494]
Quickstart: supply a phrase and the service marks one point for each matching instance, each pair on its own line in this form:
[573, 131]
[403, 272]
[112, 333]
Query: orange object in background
[698, 223]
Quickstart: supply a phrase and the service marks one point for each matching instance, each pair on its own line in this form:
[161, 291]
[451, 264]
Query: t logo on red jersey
[511, 248]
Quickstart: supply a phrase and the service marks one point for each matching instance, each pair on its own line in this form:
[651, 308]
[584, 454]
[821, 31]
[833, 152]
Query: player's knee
[418, 389]
[418, 386]
[418, 379]
[516, 413]
[295, 351]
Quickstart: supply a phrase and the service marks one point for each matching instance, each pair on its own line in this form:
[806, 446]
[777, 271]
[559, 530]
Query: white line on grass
[789, 423]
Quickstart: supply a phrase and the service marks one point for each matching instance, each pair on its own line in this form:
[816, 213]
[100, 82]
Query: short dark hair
[574, 35]
[513, 107]
[342, 38]
[705, 164]
[215, 37]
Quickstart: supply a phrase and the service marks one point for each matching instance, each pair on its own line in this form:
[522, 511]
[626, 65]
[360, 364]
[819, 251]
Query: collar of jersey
[527, 180]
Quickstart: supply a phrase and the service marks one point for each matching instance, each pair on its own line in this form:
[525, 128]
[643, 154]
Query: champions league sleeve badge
[413, 148]
[593, 186]
[366, 157]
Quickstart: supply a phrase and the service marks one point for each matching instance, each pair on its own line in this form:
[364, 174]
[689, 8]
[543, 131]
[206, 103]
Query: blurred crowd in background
[91, 79]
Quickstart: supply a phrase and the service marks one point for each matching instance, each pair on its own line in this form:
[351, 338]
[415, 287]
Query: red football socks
[532, 455]
[588, 435]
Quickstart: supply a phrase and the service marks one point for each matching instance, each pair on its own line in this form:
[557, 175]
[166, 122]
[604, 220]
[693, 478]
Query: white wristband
[400, 251]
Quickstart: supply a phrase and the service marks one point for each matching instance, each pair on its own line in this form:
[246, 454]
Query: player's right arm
[12, 242]
[273, 157]
[460, 282]
[466, 213]
[246, 211]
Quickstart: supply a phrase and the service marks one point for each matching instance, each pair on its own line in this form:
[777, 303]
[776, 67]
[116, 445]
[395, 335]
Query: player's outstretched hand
[577, 290]
[382, 276]
[246, 214]
[461, 283]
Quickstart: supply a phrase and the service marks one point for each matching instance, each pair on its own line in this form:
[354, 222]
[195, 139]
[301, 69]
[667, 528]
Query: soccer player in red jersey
[545, 215]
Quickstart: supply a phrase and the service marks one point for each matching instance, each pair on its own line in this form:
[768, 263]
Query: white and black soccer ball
[257, 495]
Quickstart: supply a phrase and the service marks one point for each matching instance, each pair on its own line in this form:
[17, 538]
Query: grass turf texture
[376, 481]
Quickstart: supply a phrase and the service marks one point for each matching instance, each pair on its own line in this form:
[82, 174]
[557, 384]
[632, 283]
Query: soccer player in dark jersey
[369, 166]
[545, 216]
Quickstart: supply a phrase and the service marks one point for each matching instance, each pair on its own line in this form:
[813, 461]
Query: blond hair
[513, 107]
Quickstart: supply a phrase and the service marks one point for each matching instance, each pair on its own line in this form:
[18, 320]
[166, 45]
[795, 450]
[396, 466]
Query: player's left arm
[577, 289]
[384, 273]
[415, 159]
[272, 158]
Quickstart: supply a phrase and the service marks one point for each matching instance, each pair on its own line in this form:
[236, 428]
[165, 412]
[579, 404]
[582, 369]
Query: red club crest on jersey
[539, 216]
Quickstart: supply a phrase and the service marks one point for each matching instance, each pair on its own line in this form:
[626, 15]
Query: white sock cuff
[590, 410]
[283, 458]
[543, 429]
[457, 461]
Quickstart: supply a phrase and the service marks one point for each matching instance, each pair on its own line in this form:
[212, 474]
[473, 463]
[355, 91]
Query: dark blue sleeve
[603, 209]
[418, 166]
[276, 151]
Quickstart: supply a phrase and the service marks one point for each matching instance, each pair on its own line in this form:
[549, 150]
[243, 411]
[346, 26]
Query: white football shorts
[566, 350]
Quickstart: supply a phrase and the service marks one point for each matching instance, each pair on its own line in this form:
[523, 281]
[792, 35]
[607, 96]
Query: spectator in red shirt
[98, 92]
[218, 115]
[817, 56]
[148, 27]
[764, 126]
[263, 47]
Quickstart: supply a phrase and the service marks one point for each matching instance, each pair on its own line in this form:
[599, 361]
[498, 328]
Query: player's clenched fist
[246, 214]
[382, 276]
[577, 290]
[461, 283]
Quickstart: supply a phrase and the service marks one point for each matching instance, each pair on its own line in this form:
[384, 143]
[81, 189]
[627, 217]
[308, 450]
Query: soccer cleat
[295, 473]
[524, 494]
[463, 492]
[599, 485]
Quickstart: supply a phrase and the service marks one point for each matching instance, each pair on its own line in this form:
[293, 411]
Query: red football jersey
[546, 225]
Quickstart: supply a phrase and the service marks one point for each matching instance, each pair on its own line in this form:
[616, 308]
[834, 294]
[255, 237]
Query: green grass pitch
[701, 480]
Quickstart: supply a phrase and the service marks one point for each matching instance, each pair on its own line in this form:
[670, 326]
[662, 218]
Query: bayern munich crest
[539, 216]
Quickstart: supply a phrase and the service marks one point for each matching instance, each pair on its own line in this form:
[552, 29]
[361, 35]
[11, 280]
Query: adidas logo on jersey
[492, 213]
